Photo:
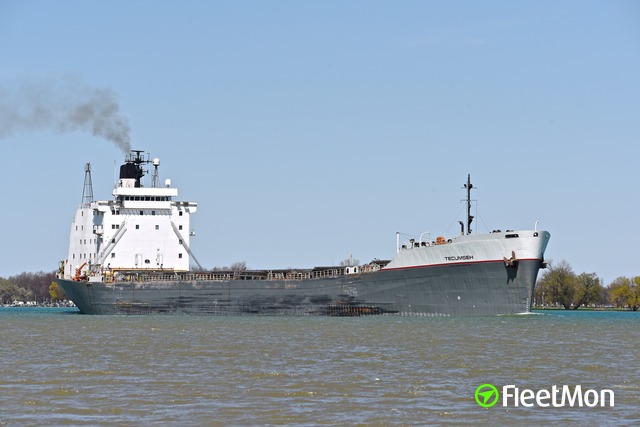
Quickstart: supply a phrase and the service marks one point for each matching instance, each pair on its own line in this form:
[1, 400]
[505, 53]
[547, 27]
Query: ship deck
[145, 275]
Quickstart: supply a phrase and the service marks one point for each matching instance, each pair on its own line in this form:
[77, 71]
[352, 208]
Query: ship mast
[469, 186]
[87, 191]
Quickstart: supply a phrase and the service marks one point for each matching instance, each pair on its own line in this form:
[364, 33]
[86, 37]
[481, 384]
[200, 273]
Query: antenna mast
[469, 186]
[155, 181]
[87, 191]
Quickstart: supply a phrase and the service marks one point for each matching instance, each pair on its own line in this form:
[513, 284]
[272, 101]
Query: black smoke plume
[63, 105]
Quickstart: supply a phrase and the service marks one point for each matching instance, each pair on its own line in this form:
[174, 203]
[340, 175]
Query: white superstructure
[141, 229]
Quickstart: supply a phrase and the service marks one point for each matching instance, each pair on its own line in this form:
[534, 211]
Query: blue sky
[310, 131]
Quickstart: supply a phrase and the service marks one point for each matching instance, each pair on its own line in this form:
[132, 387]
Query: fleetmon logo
[487, 395]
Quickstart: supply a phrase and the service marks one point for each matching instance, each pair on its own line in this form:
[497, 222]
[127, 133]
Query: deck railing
[226, 276]
[223, 276]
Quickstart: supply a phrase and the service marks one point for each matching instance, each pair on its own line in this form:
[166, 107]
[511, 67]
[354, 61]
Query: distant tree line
[37, 287]
[242, 265]
[560, 286]
[236, 266]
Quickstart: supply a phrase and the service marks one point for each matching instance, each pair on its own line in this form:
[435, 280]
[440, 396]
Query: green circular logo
[483, 395]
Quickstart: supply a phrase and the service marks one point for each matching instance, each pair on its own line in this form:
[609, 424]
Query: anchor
[510, 262]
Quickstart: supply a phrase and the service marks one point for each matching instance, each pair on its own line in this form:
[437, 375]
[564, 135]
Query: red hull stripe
[454, 263]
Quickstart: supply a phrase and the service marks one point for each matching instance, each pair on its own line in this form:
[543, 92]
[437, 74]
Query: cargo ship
[132, 255]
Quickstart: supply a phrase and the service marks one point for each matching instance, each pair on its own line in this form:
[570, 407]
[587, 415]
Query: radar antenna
[155, 181]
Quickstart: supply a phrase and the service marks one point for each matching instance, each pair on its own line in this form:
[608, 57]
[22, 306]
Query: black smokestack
[63, 105]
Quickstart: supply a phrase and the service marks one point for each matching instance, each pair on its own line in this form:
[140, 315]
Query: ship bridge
[134, 198]
[140, 229]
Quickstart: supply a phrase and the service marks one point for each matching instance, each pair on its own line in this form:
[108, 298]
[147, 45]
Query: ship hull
[462, 289]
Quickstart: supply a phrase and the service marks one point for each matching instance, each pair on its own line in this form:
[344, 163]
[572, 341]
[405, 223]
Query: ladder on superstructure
[184, 244]
[114, 241]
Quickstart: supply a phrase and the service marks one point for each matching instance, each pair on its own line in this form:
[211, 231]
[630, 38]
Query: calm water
[65, 369]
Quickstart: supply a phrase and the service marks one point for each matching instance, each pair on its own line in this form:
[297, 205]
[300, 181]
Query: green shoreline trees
[26, 287]
[625, 292]
[560, 286]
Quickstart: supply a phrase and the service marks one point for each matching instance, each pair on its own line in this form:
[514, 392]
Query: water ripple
[60, 369]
